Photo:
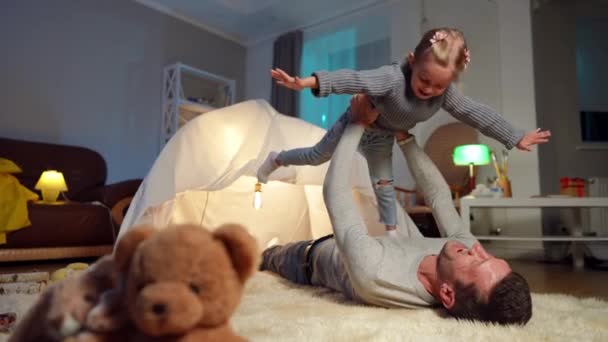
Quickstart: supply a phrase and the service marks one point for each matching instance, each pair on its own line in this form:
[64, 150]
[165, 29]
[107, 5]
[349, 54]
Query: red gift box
[576, 187]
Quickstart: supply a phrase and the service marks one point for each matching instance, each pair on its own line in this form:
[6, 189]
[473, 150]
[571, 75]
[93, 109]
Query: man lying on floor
[403, 269]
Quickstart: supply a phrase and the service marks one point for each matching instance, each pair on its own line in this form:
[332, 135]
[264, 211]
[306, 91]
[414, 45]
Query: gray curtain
[287, 56]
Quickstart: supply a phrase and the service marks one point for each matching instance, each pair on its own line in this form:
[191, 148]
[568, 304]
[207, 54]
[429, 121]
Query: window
[592, 77]
[594, 126]
[358, 47]
[329, 52]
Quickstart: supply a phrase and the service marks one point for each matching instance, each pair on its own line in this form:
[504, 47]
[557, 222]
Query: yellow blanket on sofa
[13, 200]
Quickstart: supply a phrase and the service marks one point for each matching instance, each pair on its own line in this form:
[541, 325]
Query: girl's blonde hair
[448, 47]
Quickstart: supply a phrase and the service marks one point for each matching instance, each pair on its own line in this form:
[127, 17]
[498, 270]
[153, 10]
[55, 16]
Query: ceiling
[248, 22]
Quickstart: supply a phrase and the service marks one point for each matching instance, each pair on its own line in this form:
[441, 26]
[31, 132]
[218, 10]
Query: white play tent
[206, 175]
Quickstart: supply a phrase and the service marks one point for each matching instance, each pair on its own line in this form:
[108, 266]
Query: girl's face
[429, 79]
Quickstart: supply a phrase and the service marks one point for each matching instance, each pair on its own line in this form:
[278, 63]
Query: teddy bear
[184, 282]
[63, 308]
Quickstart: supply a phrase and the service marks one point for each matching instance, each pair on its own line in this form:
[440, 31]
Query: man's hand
[532, 138]
[361, 110]
[287, 81]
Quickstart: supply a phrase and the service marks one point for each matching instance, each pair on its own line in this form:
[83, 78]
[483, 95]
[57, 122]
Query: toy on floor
[69, 271]
[178, 284]
[184, 283]
[7, 321]
[62, 309]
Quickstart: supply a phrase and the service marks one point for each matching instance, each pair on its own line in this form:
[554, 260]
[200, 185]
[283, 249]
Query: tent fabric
[206, 175]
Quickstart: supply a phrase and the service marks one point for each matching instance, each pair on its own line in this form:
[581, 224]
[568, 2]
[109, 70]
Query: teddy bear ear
[126, 246]
[241, 246]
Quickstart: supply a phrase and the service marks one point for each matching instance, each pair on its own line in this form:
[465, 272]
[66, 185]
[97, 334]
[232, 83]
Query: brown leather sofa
[80, 226]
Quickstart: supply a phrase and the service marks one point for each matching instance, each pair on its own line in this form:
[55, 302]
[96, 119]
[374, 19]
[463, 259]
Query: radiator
[598, 217]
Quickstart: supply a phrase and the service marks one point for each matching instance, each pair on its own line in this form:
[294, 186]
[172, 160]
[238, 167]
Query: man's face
[457, 263]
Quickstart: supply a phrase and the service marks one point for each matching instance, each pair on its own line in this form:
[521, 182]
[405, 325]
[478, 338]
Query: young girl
[404, 95]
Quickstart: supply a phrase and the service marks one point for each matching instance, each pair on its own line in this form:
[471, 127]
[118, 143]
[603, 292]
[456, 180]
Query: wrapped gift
[575, 187]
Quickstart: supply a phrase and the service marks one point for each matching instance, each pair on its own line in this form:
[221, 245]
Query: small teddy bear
[62, 309]
[183, 283]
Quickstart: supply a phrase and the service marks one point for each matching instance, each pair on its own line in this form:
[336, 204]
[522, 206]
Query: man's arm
[360, 252]
[436, 191]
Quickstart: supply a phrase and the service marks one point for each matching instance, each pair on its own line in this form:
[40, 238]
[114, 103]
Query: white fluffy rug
[275, 310]
[16, 302]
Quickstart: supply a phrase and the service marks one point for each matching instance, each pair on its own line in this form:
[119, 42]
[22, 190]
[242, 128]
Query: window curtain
[287, 56]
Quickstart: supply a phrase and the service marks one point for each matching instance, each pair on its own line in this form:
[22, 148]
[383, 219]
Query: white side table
[575, 203]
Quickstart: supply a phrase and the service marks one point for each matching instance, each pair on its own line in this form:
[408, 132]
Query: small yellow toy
[68, 271]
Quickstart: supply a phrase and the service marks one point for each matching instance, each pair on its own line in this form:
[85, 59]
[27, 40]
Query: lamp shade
[476, 154]
[51, 183]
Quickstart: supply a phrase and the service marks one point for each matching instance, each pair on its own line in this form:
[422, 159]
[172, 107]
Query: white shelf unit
[575, 204]
[189, 92]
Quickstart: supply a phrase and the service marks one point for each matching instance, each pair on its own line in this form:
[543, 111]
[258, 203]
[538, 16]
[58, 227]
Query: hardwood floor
[542, 277]
[562, 278]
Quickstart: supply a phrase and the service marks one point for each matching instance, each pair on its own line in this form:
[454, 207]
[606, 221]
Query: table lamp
[51, 183]
[471, 155]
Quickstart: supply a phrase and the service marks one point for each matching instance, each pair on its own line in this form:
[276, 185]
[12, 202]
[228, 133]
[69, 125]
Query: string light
[257, 196]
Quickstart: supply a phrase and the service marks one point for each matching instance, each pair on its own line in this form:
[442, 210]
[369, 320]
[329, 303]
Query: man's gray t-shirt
[381, 270]
[396, 282]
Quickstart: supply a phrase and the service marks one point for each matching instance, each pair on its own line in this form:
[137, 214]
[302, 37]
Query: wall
[554, 30]
[259, 62]
[89, 73]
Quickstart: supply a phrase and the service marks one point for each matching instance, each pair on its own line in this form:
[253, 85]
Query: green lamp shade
[472, 154]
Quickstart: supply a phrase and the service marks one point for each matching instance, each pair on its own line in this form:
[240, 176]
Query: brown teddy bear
[183, 283]
[62, 309]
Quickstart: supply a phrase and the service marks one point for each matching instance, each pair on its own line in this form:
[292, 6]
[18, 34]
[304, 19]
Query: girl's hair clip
[467, 57]
[438, 36]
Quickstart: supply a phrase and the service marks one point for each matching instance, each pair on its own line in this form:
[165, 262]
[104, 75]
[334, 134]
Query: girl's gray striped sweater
[389, 87]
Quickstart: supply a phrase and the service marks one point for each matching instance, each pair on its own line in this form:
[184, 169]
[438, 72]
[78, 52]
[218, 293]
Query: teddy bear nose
[159, 309]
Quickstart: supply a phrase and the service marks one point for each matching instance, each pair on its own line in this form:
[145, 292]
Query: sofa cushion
[64, 225]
